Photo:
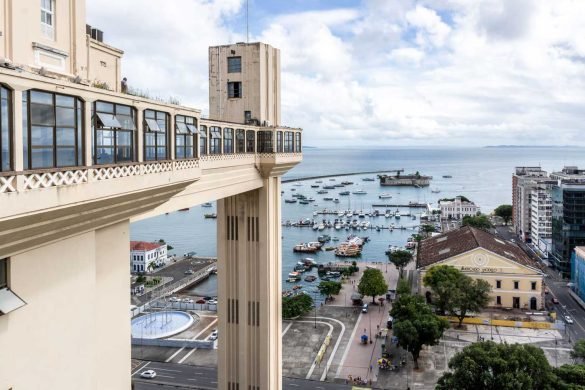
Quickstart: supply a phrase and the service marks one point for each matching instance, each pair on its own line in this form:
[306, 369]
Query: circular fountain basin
[160, 324]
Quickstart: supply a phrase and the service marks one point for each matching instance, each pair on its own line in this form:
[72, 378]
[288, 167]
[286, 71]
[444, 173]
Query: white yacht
[359, 192]
[385, 195]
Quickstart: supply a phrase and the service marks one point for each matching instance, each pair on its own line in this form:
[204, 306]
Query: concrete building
[568, 217]
[541, 216]
[457, 208]
[523, 181]
[146, 256]
[78, 163]
[578, 271]
[516, 280]
[244, 83]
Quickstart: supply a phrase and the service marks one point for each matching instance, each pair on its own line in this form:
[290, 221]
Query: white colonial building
[457, 208]
[142, 254]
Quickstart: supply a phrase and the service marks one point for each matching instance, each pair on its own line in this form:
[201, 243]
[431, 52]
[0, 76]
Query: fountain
[160, 324]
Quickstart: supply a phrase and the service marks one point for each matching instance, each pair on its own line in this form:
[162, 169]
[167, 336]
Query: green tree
[571, 376]
[329, 288]
[578, 351]
[400, 259]
[427, 228]
[479, 221]
[403, 287]
[470, 295]
[443, 281]
[504, 211]
[491, 366]
[151, 266]
[372, 283]
[296, 305]
[415, 324]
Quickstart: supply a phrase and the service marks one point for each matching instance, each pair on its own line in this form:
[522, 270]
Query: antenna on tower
[247, 23]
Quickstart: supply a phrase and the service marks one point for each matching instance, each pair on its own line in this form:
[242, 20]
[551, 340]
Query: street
[170, 375]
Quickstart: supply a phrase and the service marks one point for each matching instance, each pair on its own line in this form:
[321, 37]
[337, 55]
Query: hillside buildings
[80, 161]
[146, 256]
[457, 208]
[516, 280]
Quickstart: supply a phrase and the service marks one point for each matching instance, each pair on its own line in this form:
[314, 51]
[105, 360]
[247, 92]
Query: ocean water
[484, 175]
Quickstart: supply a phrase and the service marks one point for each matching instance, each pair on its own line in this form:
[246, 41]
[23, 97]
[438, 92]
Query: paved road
[172, 376]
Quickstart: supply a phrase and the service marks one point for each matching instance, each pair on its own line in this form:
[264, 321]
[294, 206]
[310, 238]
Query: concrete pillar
[249, 289]
[140, 133]
[18, 156]
[87, 128]
[171, 137]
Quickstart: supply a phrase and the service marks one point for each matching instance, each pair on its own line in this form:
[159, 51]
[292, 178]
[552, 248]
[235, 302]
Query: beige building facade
[516, 281]
[78, 164]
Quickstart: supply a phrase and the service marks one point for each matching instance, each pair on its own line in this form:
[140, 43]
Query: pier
[336, 175]
[412, 205]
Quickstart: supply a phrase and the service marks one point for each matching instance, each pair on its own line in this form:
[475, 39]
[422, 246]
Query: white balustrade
[7, 184]
[54, 179]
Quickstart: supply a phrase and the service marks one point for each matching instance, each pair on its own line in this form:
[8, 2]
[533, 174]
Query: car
[546, 291]
[148, 374]
[568, 319]
[175, 299]
[213, 335]
[189, 272]
[365, 308]
[207, 298]
[212, 302]
[187, 300]
[554, 300]
[512, 240]
[570, 284]
[201, 301]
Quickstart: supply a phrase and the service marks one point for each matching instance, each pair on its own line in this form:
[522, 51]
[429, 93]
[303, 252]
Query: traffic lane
[566, 306]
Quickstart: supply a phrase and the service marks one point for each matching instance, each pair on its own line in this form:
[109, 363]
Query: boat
[290, 201]
[294, 274]
[185, 209]
[328, 187]
[359, 192]
[327, 198]
[321, 227]
[311, 200]
[315, 226]
[447, 176]
[324, 238]
[304, 202]
[305, 248]
[211, 216]
[321, 192]
[361, 214]
[335, 200]
[207, 204]
[435, 191]
[314, 185]
[297, 185]
[384, 195]
[331, 179]
[297, 287]
[310, 278]
[329, 248]
[368, 179]
[292, 280]
[319, 181]
[414, 217]
[343, 193]
[346, 249]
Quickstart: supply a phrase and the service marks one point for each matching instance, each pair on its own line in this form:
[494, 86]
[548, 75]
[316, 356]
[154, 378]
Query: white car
[175, 299]
[213, 335]
[212, 302]
[149, 374]
[187, 300]
[568, 319]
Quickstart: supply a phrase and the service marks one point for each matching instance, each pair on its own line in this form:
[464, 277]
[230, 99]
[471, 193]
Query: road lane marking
[328, 334]
[166, 369]
[165, 376]
[193, 338]
[287, 328]
[351, 337]
[140, 368]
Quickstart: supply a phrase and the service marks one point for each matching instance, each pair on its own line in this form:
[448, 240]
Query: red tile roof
[455, 242]
[144, 246]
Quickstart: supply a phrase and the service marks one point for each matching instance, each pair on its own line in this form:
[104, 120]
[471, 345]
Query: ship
[212, 215]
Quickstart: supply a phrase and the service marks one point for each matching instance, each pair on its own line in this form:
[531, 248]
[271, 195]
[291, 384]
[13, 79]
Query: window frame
[147, 131]
[298, 142]
[215, 146]
[250, 141]
[231, 90]
[498, 284]
[228, 140]
[116, 133]
[48, 29]
[516, 284]
[265, 142]
[289, 142]
[230, 66]
[185, 136]
[240, 141]
[203, 135]
[79, 126]
[279, 142]
[9, 130]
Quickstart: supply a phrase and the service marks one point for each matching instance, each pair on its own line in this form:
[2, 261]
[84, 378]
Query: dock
[336, 175]
[412, 205]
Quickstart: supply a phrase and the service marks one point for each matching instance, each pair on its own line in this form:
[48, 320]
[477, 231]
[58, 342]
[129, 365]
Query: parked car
[148, 374]
[568, 319]
[570, 284]
[187, 300]
[365, 308]
[213, 335]
[554, 300]
[201, 301]
[189, 272]
[175, 299]
[212, 301]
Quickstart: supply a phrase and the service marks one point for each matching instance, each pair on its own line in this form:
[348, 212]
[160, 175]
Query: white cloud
[433, 72]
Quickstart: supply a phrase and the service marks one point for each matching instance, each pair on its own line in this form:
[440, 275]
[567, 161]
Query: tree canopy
[400, 259]
[578, 351]
[403, 287]
[415, 324]
[296, 305]
[470, 295]
[329, 288]
[372, 283]
[571, 376]
[443, 280]
[504, 211]
[491, 366]
[478, 221]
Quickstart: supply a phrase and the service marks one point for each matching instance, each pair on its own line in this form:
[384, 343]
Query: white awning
[9, 301]
[109, 121]
[152, 125]
[181, 128]
[192, 129]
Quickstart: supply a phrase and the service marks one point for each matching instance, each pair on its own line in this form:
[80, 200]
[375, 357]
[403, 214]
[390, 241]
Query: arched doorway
[533, 303]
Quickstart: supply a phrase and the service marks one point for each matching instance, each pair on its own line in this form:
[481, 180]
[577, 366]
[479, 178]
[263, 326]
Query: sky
[377, 72]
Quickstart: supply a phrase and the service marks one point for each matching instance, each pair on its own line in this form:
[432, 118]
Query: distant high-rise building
[244, 84]
[523, 181]
[541, 216]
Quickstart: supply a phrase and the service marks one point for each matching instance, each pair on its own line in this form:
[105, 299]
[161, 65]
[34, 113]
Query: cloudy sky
[378, 72]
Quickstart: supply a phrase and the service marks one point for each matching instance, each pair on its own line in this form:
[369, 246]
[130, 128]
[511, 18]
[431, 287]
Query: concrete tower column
[249, 289]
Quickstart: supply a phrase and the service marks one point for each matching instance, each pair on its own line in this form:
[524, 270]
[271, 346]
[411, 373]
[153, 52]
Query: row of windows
[516, 285]
[53, 133]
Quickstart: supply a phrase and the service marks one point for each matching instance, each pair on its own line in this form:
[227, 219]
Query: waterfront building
[146, 256]
[457, 208]
[523, 181]
[516, 279]
[568, 217]
[578, 271]
[541, 216]
[79, 161]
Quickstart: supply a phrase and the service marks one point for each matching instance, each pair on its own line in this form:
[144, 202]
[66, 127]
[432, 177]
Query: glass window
[265, 142]
[114, 133]
[185, 136]
[288, 142]
[516, 283]
[214, 140]
[240, 141]
[234, 89]
[250, 141]
[533, 285]
[298, 146]
[228, 140]
[279, 143]
[5, 129]
[202, 140]
[53, 130]
[155, 135]
[498, 284]
[234, 64]
[48, 18]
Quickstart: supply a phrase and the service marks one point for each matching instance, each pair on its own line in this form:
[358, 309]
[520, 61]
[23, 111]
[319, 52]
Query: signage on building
[485, 270]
